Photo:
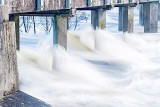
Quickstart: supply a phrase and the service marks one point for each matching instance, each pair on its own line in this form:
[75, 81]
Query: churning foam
[124, 70]
[100, 68]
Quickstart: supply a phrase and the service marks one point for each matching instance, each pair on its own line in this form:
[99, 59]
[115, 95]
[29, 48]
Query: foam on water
[101, 68]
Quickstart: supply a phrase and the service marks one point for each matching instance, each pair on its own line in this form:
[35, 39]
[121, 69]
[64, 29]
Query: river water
[102, 68]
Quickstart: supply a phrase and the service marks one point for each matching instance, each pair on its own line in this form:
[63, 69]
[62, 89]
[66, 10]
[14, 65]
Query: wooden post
[150, 17]
[60, 31]
[120, 19]
[128, 19]
[9, 82]
[16, 20]
[141, 14]
[98, 18]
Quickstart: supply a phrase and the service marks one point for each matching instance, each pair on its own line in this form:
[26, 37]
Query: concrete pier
[150, 17]
[60, 30]
[16, 20]
[9, 81]
[128, 19]
[120, 19]
[141, 14]
[98, 18]
[159, 11]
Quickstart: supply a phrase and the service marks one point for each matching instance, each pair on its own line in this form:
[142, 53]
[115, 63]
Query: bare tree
[79, 16]
[34, 24]
[27, 23]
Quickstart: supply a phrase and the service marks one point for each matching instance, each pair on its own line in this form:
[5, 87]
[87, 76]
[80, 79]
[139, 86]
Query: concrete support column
[60, 31]
[150, 17]
[120, 19]
[159, 11]
[9, 82]
[16, 20]
[98, 18]
[128, 19]
[141, 14]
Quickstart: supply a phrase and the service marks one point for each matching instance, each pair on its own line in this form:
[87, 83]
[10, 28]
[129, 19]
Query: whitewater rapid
[101, 68]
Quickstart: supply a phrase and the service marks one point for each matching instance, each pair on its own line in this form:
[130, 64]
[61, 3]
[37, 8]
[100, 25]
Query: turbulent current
[101, 68]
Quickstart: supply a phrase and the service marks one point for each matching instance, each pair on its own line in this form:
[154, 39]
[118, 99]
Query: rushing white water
[102, 68]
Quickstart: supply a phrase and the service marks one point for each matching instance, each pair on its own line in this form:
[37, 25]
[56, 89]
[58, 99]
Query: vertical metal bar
[119, 1]
[105, 2]
[40, 5]
[55, 30]
[120, 19]
[1, 1]
[67, 3]
[89, 2]
[141, 14]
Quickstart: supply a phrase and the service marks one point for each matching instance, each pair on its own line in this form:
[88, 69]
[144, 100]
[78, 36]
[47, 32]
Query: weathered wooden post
[98, 18]
[151, 17]
[60, 31]
[9, 82]
[128, 19]
[141, 14]
[120, 19]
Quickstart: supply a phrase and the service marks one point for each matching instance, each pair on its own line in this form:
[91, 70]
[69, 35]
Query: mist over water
[101, 68]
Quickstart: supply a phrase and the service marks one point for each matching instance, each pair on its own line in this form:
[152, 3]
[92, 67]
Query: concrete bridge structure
[10, 10]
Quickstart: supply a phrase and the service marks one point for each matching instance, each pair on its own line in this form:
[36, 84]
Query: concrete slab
[21, 99]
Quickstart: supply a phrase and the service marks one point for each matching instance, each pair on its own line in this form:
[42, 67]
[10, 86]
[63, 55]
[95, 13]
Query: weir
[62, 9]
